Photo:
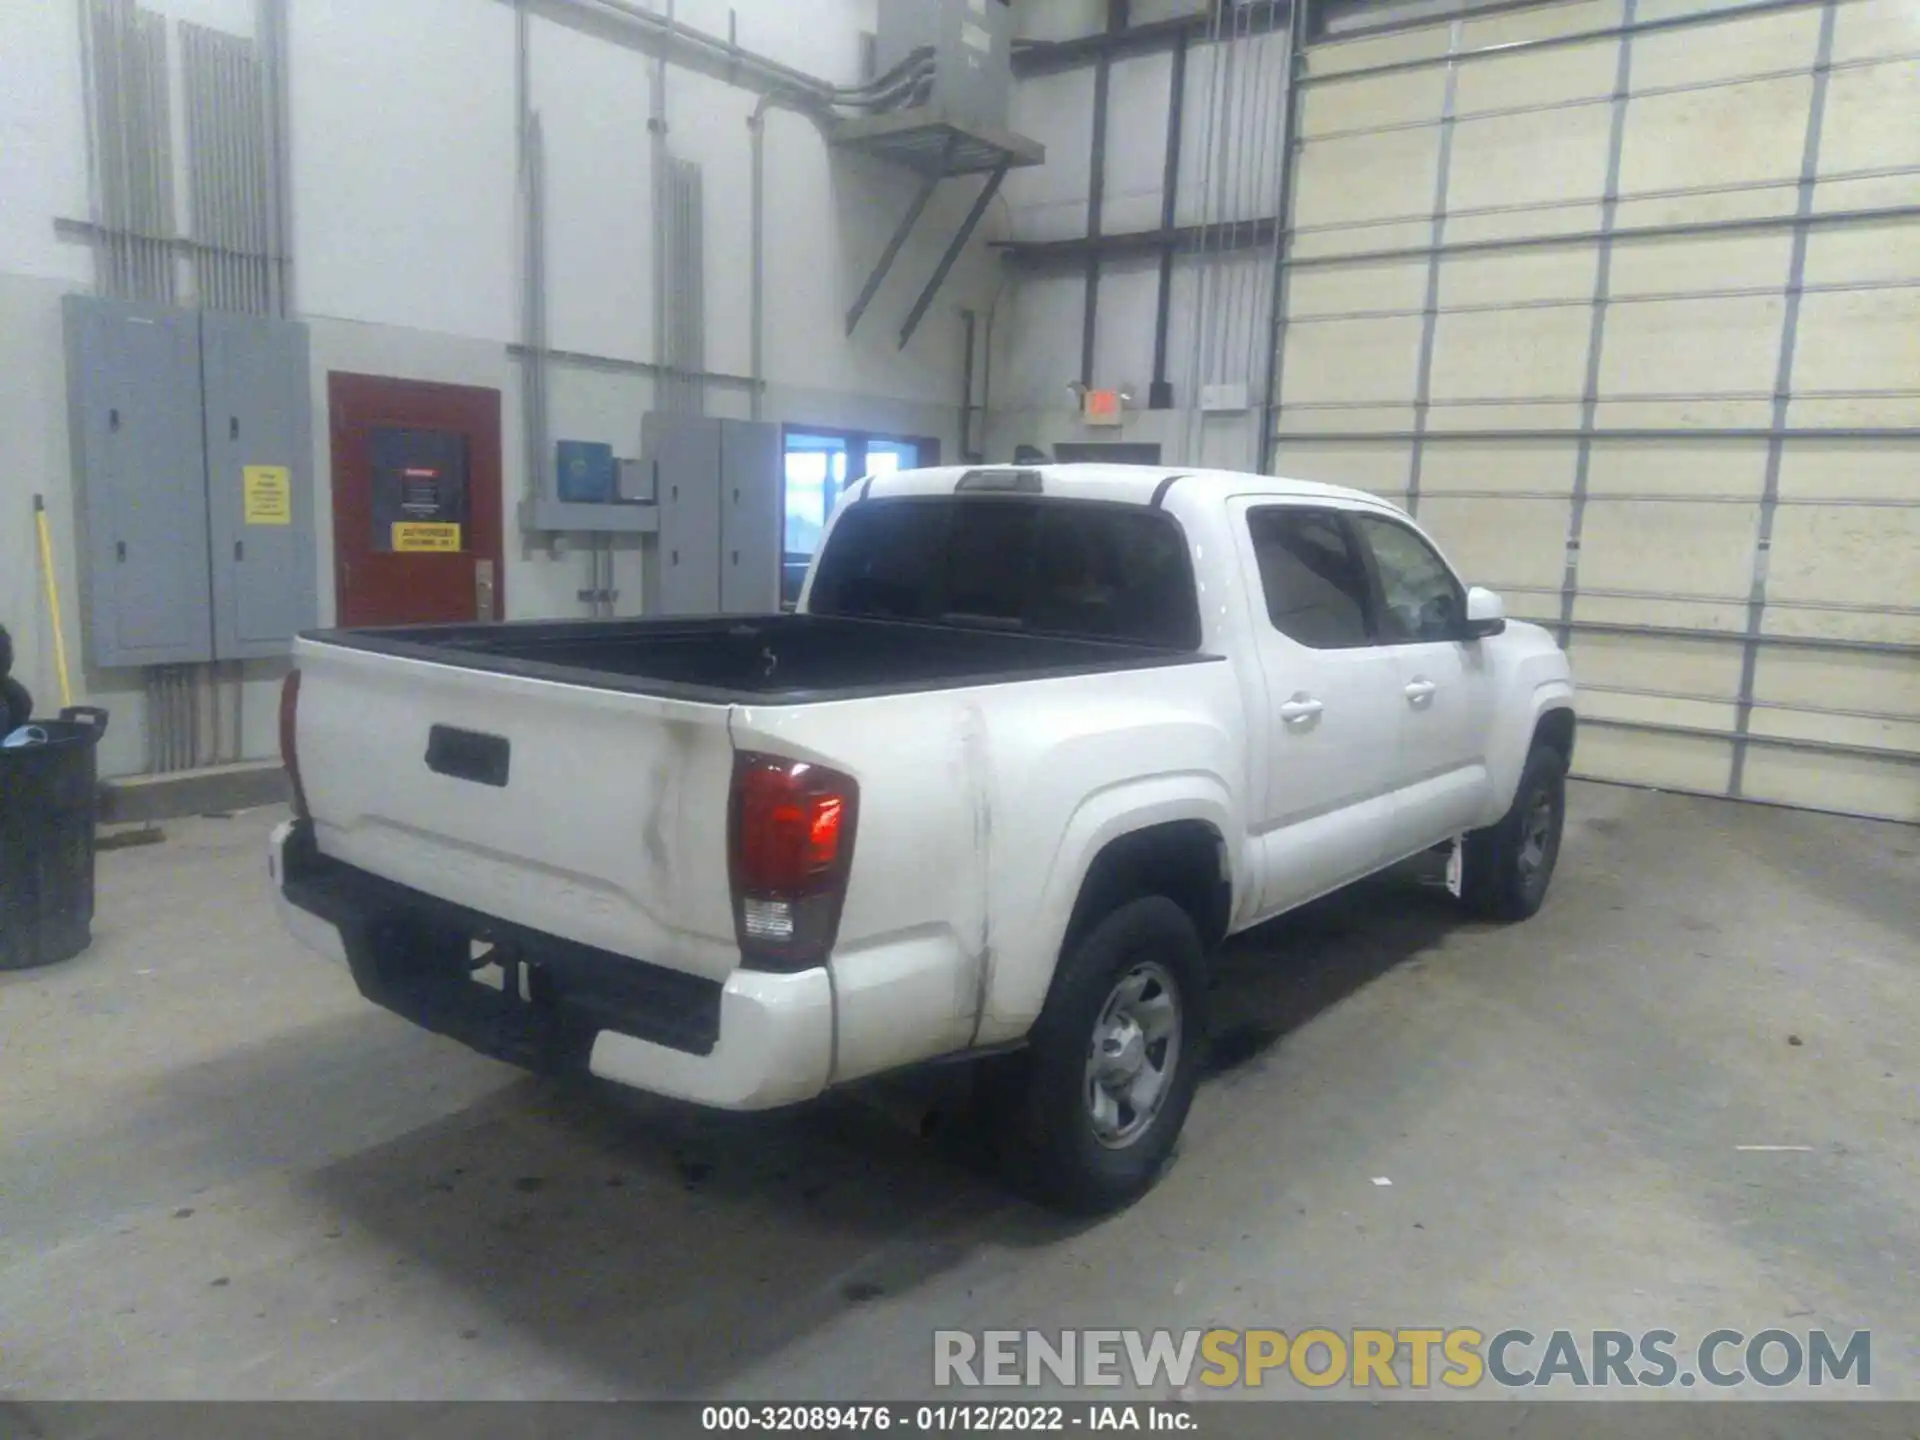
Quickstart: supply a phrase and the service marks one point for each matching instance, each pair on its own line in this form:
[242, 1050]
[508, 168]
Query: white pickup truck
[1034, 742]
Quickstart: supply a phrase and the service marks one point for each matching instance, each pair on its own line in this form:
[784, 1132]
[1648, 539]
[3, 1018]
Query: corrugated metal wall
[1622, 299]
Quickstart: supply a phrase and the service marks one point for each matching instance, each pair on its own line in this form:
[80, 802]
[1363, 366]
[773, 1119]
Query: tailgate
[597, 816]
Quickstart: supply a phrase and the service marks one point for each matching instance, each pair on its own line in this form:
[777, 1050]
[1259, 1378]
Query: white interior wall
[1049, 202]
[403, 164]
[1229, 169]
[406, 255]
[43, 170]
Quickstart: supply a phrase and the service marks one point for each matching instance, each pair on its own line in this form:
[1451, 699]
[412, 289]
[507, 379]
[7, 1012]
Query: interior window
[1315, 584]
[1421, 601]
[821, 466]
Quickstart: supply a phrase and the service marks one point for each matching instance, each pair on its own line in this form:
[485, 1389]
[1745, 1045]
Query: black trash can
[47, 809]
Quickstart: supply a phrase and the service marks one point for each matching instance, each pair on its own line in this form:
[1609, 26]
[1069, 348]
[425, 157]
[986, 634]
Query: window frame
[794, 564]
[1377, 609]
[1369, 593]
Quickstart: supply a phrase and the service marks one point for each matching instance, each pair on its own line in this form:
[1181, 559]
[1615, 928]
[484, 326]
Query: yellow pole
[53, 600]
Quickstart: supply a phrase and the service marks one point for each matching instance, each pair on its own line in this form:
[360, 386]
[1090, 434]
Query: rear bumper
[755, 1042]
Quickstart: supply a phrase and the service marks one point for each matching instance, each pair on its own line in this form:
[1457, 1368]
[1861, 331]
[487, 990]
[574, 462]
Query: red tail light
[790, 848]
[289, 739]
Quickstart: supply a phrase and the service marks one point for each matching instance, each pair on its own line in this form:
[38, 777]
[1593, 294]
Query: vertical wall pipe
[272, 30]
[1160, 392]
[657, 162]
[1283, 221]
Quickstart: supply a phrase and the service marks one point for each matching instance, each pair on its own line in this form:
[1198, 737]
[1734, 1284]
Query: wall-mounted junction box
[1226, 397]
[606, 496]
[584, 472]
[972, 44]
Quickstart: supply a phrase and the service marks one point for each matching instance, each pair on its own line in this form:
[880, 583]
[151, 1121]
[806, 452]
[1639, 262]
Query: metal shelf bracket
[930, 142]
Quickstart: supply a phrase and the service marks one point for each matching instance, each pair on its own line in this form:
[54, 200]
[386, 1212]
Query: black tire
[1507, 867]
[1053, 1140]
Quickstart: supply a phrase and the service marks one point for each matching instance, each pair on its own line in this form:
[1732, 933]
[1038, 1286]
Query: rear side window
[1315, 582]
[1062, 567]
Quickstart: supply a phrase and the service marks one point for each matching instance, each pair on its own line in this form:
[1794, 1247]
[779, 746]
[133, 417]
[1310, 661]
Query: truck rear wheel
[1112, 1063]
[1507, 866]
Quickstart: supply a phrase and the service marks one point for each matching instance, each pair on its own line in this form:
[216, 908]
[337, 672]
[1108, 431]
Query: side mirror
[1486, 615]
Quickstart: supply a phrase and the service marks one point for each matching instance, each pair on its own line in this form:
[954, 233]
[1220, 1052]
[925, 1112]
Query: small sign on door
[266, 493]
[413, 537]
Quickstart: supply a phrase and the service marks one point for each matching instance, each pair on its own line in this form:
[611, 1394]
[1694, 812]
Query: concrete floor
[224, 1175]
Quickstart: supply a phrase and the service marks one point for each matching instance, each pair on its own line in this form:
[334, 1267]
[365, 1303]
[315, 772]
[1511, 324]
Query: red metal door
[416, 501]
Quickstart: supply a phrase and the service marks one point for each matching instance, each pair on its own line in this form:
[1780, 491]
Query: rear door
[594, 815]
[1325, 814]
[1445, 682]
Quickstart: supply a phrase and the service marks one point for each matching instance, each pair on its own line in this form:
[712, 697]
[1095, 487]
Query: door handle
[1301, 707]
[1419, 692]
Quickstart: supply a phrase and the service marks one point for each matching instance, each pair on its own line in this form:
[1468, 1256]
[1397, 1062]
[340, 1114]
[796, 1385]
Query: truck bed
[763, 660]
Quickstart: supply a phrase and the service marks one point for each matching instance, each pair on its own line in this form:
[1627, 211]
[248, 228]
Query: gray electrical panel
[133, 406]
[682, 576]
[972, 43]
[192, 458]
[718, 490]
[751, 519]
[259, 482]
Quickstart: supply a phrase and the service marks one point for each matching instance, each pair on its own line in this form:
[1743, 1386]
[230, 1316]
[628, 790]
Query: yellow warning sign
[415, 536]
[266, 495]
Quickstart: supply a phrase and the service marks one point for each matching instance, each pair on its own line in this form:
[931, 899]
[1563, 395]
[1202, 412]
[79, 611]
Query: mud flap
[1456, 865]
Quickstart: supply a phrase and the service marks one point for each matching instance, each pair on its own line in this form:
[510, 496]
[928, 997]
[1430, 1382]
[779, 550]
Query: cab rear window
[1058, 567]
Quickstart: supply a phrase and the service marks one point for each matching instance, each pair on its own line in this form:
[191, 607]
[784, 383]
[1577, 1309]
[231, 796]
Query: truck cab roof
[1122, 484]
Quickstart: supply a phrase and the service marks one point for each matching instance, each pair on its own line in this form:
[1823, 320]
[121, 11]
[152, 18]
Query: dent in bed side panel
[908, 961]
[908, 998]
[977, 884]
[966, 796]
[920, 995]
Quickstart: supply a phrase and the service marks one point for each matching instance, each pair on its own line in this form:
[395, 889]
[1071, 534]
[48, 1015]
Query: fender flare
[1510, 757]
[1016, 993]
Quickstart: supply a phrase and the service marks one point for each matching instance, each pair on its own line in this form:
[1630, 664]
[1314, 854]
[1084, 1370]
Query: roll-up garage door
[1622, 299]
